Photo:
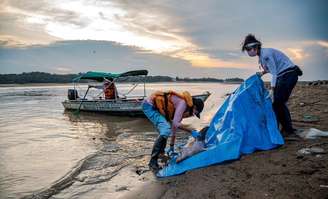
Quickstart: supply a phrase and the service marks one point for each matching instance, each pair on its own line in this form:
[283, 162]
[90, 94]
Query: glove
[195, 134]
[170, 152]
[270, 95]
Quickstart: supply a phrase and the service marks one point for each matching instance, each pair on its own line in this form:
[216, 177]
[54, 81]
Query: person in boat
[284, 78]
[166, 111]
[109, 88]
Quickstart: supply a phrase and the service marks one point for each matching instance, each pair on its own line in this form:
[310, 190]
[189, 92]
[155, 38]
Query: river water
[50, 152]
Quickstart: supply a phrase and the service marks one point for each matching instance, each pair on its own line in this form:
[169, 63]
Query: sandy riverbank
[279, 173]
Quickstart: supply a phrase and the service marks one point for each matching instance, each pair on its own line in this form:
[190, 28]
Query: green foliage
[234, 80]
[35, 77]
[207, 79]
[41, 77]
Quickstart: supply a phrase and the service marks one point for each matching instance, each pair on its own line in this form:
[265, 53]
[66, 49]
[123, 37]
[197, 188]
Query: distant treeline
[41, 77]
[35, 77]
[208, 79]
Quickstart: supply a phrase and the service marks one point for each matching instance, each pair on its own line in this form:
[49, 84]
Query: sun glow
[323, 43]
[102, 24]
[82, 20]
[296, 53]
[198, 59]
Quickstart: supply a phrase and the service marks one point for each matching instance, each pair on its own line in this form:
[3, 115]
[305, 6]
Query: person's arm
[182, 127]
[261, 73]
[271, 64]
[263, 67]
[264, 72]
[115, 90]
[263, 58]
[172, 142]
[180, 107]
[271, 93]
[273, 81]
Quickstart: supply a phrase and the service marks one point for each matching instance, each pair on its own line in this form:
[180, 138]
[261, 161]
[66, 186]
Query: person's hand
[271, 95]
[259, 74]
[170, 152]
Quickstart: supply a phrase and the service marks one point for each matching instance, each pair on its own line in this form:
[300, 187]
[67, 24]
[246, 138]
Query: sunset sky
[168, 37]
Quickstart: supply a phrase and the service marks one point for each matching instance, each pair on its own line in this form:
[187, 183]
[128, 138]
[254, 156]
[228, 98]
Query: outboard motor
[72, 94]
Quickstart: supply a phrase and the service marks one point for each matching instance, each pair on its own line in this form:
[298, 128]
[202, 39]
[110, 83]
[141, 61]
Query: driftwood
[307, 121]
[309, 103]
[319, 82]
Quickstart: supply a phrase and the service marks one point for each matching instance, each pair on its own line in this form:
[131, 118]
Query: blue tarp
[243, 124]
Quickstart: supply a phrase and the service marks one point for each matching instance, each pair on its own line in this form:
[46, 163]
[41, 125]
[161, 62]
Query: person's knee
[163, 136]
[164, 130]
[145, 107]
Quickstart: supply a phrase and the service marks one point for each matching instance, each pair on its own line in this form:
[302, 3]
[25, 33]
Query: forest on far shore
[42, 77]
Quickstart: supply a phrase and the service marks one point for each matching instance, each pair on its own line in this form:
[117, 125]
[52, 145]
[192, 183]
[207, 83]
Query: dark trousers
[282, 91]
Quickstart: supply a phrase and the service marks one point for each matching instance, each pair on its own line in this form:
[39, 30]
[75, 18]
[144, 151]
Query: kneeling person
[166, 111]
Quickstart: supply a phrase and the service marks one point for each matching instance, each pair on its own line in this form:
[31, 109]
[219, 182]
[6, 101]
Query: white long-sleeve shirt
[274, 61]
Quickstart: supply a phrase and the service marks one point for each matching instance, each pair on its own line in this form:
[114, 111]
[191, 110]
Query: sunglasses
[251, 46]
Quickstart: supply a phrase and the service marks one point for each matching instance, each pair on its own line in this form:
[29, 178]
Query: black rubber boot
[159, 147]
[162, 152]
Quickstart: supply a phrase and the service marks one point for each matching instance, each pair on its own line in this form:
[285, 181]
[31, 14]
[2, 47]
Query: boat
[122, 104]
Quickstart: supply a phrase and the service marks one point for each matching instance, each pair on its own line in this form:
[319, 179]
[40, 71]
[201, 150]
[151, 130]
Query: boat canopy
[100, 76]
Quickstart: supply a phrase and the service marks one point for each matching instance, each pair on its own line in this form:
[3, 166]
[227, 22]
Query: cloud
[323, 43]
[15, 29]
[310, 55]
[81, 56]
[297, 53]
[152, 26]
[316, 67]
[42, 11]
[63, 70]
[198, 34]
[214, 29]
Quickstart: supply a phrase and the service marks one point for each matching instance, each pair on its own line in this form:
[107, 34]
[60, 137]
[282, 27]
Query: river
[41, 144]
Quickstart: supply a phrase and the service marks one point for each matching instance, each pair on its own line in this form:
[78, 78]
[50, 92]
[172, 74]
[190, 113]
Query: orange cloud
[323, 43]
[297, 53]
[199, 59]
[63, 70]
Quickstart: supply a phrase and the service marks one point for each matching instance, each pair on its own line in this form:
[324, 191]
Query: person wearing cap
[166, 111]
[284, 78]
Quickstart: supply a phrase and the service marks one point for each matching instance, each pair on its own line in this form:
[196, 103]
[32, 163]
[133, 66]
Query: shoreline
[315, 83]
[278, 173]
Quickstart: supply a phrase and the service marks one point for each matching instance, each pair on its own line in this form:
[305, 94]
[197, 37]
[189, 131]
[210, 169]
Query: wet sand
[279, 173]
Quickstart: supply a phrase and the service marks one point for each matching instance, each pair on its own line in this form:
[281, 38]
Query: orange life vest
[109, 91]
[163, 102]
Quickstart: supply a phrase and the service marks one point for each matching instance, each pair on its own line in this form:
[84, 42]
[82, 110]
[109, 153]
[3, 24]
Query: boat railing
[132, 97]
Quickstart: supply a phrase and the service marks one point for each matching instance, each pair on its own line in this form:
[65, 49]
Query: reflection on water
[110, 125]
[47, 150]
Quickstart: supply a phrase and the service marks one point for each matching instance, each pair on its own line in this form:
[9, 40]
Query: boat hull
[128, 107]
[114, 107]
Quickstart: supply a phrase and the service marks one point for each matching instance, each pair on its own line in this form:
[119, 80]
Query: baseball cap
[199, 105]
